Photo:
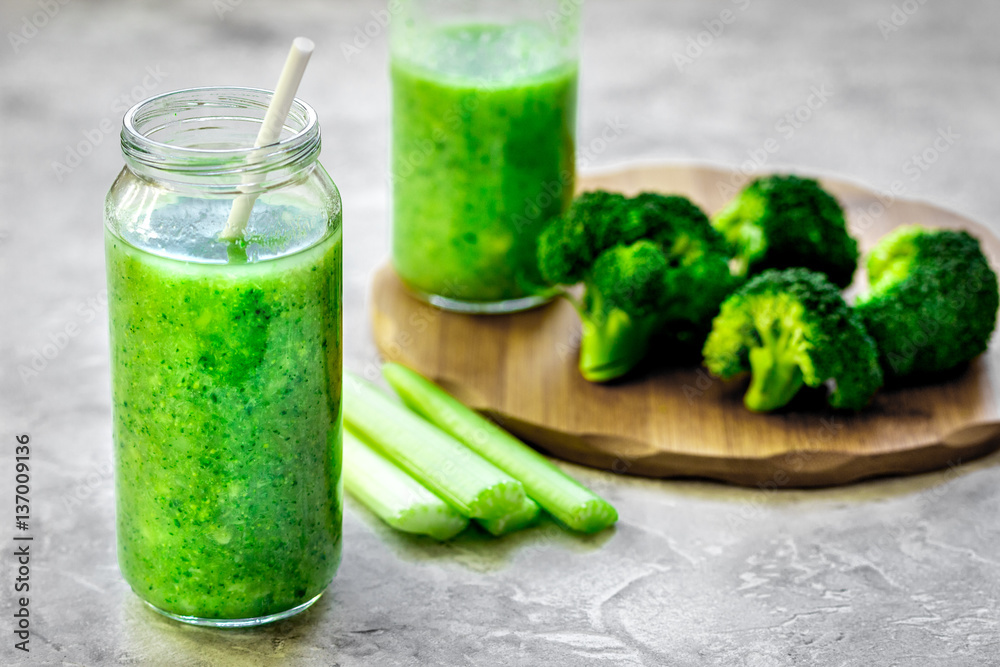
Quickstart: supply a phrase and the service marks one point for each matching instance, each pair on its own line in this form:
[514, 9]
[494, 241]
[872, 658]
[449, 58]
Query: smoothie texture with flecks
[483, 154]
[226, 386]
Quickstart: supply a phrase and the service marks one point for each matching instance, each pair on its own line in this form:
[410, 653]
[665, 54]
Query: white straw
[270, 129]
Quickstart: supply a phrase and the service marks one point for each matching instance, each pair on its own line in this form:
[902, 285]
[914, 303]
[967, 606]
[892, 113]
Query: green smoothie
[483, 154]
[226, 385]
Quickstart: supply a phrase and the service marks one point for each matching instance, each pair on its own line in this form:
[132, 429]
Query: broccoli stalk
[621, 309]
[613, 343]
[776, 366]
[649, 264]
[775, 380]
[791, 329]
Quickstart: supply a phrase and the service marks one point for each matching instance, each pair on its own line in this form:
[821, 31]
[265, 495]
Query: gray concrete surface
[900, 572]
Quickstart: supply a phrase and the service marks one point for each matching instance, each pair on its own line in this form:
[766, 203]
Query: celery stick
[560, 495]
[472, 485]
[523, 517]
[395, 497]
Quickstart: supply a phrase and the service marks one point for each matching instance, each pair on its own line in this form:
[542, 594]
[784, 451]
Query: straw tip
[303, 44]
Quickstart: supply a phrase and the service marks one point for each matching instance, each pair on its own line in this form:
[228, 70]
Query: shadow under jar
[225, 360]
[483, 145]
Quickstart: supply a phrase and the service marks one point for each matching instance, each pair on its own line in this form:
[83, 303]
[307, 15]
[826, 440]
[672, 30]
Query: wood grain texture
[521, 370]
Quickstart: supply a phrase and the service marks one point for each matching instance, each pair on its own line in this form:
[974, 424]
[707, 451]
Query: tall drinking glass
[483, 145]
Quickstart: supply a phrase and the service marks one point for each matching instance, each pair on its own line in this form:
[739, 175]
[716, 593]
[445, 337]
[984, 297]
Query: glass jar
[483, 145]
[225, 360]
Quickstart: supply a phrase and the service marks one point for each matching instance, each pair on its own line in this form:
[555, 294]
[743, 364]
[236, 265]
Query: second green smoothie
[483, 156]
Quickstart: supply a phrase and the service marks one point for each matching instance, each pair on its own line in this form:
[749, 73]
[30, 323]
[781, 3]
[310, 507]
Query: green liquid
[483, 154]
[226, 382]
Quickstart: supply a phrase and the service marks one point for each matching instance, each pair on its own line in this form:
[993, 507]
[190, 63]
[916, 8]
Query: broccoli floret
[568, 246]
[649, 263]
[933, 300]
[670, 220]
[780, 222]
[788, 329]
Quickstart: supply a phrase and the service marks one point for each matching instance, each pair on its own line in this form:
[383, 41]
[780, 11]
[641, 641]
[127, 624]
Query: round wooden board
[521, 371]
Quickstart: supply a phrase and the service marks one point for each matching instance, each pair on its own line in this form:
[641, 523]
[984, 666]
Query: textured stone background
[898, 572]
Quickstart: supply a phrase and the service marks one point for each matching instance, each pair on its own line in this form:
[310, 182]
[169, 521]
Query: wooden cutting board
[521, 370]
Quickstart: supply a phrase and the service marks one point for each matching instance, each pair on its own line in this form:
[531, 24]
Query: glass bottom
[482, 307]
[236, 622]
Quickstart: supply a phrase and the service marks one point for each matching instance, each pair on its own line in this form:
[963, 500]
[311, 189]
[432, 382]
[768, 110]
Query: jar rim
[207, 109]
[129, 120]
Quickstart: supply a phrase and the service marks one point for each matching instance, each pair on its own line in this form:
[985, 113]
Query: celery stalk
[567, 500]
[469, 483]
[395, 497]
[523, 517]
